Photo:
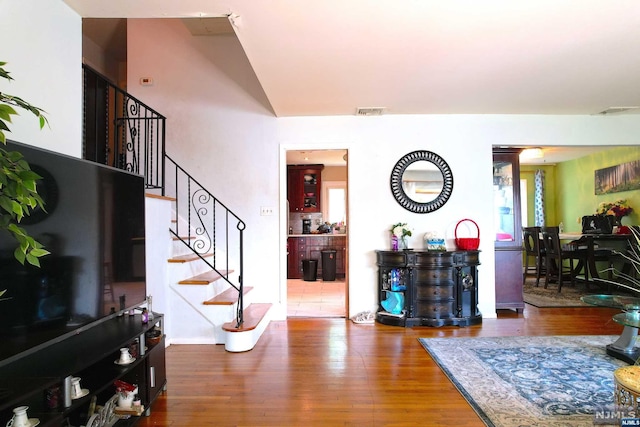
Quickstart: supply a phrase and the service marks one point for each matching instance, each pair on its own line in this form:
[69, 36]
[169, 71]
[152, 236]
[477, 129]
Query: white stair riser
[200, 323]
[236, 342]
[184, 270]
[196, 295]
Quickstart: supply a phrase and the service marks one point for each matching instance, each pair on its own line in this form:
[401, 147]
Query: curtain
[538, 198]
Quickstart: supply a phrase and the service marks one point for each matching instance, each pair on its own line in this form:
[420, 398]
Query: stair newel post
[241, 227]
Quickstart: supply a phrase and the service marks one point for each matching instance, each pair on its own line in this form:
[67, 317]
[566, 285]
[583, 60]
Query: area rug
[530, 381]
[550, 297]
[569, 296]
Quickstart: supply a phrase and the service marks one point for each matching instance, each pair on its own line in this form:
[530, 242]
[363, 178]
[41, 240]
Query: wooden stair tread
[188, 257]
[205, 278]
[252, 317]
[228, 297]
[159, 196]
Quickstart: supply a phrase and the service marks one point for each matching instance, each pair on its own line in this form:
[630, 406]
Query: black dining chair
[555, 257]
[534, 252]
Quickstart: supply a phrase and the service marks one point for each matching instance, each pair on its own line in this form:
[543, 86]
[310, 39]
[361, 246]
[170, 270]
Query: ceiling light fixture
[531, 153]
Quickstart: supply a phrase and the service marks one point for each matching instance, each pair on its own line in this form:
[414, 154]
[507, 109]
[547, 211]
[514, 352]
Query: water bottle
[395, 281]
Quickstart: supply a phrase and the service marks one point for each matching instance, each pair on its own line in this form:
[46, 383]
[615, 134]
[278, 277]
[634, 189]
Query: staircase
[207, 302]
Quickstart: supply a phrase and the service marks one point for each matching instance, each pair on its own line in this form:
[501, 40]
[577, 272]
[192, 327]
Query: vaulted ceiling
[332, 57]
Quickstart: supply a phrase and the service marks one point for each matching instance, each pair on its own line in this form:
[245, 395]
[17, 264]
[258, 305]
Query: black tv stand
[30, 377]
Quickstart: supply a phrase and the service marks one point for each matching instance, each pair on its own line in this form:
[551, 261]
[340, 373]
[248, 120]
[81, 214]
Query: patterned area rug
[530, 381]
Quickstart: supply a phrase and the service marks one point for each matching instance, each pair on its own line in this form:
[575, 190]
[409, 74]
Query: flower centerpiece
[619, 209]
[400, 232]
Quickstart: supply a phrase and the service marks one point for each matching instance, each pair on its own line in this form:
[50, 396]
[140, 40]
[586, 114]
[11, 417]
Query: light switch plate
[266, 211]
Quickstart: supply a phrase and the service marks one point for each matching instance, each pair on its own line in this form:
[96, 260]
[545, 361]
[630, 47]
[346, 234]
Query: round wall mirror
[421, 181]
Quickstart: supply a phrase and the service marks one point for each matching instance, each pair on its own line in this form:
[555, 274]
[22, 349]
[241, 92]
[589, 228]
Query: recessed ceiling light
[531, 153]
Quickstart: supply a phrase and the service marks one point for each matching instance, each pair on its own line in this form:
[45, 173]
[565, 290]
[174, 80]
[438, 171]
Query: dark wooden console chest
[438, 288]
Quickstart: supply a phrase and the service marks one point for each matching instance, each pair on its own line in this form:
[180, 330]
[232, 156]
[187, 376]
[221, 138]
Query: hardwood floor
[332, 372]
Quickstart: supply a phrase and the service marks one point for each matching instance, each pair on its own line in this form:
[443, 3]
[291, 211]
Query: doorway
[323, 294]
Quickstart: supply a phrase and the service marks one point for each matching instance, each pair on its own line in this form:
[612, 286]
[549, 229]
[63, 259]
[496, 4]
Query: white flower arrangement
[400, 230]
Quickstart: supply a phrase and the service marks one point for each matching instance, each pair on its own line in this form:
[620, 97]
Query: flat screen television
[94, 226]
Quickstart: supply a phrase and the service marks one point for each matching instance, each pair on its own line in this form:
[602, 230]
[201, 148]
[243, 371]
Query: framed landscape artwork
[622, 177]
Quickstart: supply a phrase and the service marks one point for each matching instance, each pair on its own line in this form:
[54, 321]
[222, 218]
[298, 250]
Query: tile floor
[316, 299]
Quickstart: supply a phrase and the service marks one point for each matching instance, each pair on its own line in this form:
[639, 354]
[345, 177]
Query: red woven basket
[467, 243]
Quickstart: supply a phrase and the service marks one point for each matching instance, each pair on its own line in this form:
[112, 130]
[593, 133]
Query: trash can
[329, 265]
[309, 270]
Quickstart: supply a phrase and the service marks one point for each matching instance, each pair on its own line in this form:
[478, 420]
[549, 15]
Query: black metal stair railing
[123, 132]
[206, 225]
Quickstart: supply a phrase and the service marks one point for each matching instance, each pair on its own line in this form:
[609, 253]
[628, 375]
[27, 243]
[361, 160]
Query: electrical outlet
[266, 211]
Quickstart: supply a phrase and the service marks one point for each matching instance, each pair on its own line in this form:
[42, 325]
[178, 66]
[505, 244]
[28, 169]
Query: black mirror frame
[410, 204]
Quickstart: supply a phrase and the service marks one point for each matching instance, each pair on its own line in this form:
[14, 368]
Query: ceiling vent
[369, 111]
[617, 110]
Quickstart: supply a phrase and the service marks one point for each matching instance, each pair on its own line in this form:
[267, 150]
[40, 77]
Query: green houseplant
[18, 191]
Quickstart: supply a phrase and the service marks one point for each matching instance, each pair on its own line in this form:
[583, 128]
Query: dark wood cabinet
[156, 371]
[508, 239]
[297, 252]
[340, 246]
[40, 378]
[438, 288]
[304, 184]
[301, 248]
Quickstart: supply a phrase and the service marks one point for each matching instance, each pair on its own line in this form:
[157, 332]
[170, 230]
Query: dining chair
[555, 258]
[533, 251]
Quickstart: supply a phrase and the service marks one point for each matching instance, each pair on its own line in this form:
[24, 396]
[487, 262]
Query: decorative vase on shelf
[394, 242]
[617, 222]
[403, 243]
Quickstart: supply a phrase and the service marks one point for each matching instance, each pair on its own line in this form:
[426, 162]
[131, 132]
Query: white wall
[42, 45]
[221, 126]
[465, 142]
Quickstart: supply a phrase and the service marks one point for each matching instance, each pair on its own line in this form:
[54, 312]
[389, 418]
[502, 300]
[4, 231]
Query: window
[334, 202]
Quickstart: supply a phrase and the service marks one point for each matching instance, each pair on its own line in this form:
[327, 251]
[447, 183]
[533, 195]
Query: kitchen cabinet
[439, 288]
[311, 247]
[297, 252]
[508, 225]
[304, 184]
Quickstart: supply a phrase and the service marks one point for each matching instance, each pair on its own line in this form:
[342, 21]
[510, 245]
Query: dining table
[597, 248]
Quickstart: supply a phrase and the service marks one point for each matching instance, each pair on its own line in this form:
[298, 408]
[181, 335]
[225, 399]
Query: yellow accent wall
[575, 186]
[570, 188]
